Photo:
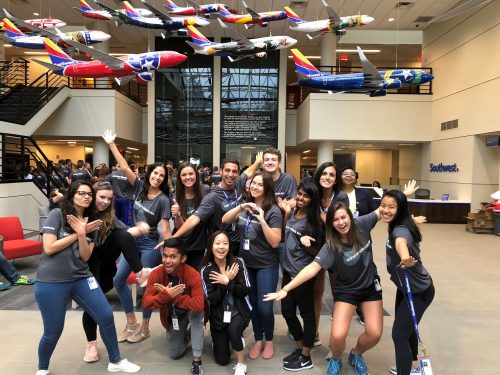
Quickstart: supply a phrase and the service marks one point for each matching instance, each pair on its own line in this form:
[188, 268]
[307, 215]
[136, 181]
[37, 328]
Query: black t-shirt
[285, 186]
[80, 175]
[121, 186]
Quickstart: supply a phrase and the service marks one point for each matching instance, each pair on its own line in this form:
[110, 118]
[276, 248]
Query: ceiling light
[35, 53]
[391, 19]
[7, 45]
[306, 151]
[36, 14]
[249, 147]
[132, 148]
[308, 57]
[356, 51]
[71, 143]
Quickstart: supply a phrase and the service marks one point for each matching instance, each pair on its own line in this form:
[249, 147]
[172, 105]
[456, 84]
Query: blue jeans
[52, 299]
[8, 270]
[263, 281]
[150, 258]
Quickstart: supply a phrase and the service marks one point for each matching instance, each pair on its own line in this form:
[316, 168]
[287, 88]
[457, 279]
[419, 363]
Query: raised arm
[251, 169]
[109, 138]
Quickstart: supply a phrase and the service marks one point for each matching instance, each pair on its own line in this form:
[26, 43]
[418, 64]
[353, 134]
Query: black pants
[102, 264]
[403, 331]
[303, 298]
[231, 334]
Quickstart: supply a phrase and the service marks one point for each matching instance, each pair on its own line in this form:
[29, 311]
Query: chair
[422, 194]
[14, 244]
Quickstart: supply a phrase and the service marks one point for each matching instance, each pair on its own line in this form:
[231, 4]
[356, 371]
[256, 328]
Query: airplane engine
[264, 24]
[261, 55]
[144, 77]
[260, 45]
[377, 93]
[340, 32]
[392, 84]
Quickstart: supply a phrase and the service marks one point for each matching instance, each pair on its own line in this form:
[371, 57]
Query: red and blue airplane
[124, 68]
[370, 81]
[252, 18]
[192, 10]
[42, 23]
[89, 12]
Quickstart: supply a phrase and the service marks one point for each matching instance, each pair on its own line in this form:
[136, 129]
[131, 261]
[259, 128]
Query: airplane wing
[48, 34]
[48, 65]
[371, 75]
[5, 38]
[232, 59]
[110, 61]
[195, 6]
[242, 40]
[253, 13]
[334, 18]
[302, 76]
[162, 16]
[110, 10]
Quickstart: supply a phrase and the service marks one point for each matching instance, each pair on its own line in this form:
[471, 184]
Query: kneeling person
[177, 290]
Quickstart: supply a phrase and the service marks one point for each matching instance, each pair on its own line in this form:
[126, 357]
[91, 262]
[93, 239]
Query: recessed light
[391, 19]
[306, 151]
[132, 148]
[36, 14]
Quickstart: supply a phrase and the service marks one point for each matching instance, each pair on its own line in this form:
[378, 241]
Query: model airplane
[334, 24]
[89, 12]
[42, 23]
[252, 18]
[15, 37]
[241, 47]
[123, 68]
[370, 81]
[192, 10]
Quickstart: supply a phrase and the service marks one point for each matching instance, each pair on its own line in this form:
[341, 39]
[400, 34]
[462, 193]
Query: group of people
[221, 262]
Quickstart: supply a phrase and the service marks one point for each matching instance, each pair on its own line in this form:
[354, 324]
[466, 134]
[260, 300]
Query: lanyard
[247, 223]
[325, 210]
[228, 200]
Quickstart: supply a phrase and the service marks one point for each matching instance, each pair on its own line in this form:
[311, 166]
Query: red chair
[14, 244]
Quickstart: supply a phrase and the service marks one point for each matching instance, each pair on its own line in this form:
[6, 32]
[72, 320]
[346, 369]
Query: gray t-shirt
[80, 175]
[196, 238]
[216, 203]
[296, 257]
[121, 186]
[65, 265]
[152, 211]
[418, 276]
[285, 186]
[261, 254]
[355, 270]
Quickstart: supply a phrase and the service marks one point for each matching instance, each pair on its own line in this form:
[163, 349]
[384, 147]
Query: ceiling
[128, 38]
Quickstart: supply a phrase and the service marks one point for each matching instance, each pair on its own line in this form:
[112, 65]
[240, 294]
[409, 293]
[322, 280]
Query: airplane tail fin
[223, 11]
[50, 66]
[130, 10]
[85, 7]
[11, 30]
[293, 17]
[56, 54]
[170, 4]
[302, 63]
[194, 46]
[198, 38]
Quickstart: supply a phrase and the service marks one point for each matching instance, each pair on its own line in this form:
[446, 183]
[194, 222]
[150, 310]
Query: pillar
[328, 50]
[101, 152]
[325, 151]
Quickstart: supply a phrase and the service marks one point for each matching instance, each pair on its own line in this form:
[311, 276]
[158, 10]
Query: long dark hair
[314, 224]
[269, 196]
[68, 207]
[180, 191]
[332, 237]
[108, 215]
[209, 254]
[337, 186]
[403, 216]
[147, 185]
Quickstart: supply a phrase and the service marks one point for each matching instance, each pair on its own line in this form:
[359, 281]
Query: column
[328, 50]
[216, 110]
[325, 151]
[101, 152]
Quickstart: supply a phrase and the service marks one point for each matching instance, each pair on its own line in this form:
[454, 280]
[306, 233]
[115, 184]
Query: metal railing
[13, 73]
[22, 160]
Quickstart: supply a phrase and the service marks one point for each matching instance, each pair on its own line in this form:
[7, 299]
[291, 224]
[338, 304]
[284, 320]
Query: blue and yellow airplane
[370, 81]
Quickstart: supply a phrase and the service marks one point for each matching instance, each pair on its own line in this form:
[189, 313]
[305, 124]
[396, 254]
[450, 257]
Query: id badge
[425, 365]
[233, 227]
[92, 283]
[355, 214]
[175, 323]
[246, 244]
[227, 316]
[377, 285]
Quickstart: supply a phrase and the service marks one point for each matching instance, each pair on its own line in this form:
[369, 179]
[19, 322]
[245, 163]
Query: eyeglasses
[104, 183]
[348, 174]
[84, 194]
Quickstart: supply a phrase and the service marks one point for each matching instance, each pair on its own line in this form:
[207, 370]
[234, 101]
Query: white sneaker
[123, 366]
[415, 370]
[240, 369]
[142, 276]
[42, 372]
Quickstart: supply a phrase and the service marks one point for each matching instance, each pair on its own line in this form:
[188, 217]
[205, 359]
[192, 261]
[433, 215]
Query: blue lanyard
[247, 223]
[228, 200]
[325, 210]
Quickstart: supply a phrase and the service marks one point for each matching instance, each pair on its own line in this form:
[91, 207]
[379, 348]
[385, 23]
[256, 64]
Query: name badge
[425, 365]
[377, 285]
[175, 324]
[246, 244]
[355, 214]
[227, 317]
[92, 283]
[233, 227]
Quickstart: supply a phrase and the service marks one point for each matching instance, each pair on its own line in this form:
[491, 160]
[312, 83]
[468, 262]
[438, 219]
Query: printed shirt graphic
[285, 186]
[152, 211]
[121, 187]
[355, 270]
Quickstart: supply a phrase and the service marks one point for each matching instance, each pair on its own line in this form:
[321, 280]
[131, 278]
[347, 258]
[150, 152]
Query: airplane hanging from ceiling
[333, 24]
[87, 11]
[252, 18]
[370, 81]
[193, 10]
[43, 23]
[240, 47]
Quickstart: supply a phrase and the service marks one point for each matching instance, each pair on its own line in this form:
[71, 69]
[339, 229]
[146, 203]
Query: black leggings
[303, 297]
[403, 332]
[102, 264]
[232, 333]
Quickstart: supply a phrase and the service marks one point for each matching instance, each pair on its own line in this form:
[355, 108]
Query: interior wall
[293, 164]
[410, 161]
[56, 152]
[374, 165]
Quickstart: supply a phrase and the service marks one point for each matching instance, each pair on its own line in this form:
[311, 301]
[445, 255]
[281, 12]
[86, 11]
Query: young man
[177, 290]
[285, 185]
[222, 199]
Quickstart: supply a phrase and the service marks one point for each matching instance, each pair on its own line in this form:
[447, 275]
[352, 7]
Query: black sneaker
[196, 368]
[301, 363]
[293, 357]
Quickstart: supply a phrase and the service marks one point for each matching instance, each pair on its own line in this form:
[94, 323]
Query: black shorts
[357, 297]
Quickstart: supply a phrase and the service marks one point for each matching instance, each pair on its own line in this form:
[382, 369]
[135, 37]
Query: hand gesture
[218, 278]
[285, 206]
[160, 245]
[143, 227]
[258, 213]
[419, 219]
[307, 241]
[278, 296]
[408, 262]
[232, 271]
[410, 187]
[259, 156]
[249, 206]
[93, 226]
[175, 209]
[108, 136]
[77, 225]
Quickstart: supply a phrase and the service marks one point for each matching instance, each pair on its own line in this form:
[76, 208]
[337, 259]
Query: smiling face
[303, 199]
[220, 247]
[172, 259]
[103, 199]
[83, 197]
[388, 209]
[342, 222]
[349, 177]
[257, 187]
[328, 177]
[188, 176]
[157, 176]
[271, 163]
[229, 175]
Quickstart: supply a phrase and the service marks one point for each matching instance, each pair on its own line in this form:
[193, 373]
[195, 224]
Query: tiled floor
[461, 328]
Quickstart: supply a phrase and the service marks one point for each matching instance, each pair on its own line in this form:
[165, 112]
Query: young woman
[226, 285]
[403, 253]
[259, 222]
[63, 273]
[113, 239]
[186, 198]
[303, 239]
[153, 207]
